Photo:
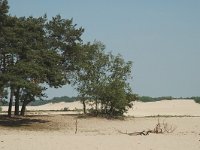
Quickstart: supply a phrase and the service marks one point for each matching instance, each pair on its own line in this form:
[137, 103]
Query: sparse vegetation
[153, 99]
[66, 109]
[196, 99]
[54, 100]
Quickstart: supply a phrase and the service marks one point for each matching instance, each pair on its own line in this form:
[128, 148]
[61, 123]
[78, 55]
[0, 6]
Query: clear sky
[161, 37]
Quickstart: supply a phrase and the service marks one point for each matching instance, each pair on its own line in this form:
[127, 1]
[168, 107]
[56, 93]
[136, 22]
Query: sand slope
[164, 108]
[57, 132]
[102, 134]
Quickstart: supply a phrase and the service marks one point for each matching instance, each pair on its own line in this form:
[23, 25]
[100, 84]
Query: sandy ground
[57, 132]
[163, 108]
[166, 108]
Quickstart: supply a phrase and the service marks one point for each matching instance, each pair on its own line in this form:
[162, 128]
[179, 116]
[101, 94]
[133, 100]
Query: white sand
[99, 142]
[103, 134]
[140, 109]
[165, 107]
[52, 106]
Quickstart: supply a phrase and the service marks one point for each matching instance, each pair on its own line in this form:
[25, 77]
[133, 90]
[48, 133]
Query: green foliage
[54, 100]
[4, 103]
[102, 78]
[116, 96]
[3, 11]
[196, 99]
[34, 51]
[153, 99]
[146, 99]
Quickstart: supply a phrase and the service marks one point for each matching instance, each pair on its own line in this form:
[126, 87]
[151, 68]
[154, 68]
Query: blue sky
[161, 37]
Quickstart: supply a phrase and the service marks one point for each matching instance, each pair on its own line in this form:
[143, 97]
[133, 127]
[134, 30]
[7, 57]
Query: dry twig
[160, 128]
[76, 126]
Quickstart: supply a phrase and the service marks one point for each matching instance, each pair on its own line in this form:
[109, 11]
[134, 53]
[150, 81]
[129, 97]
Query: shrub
[196, 99]
[66, 109]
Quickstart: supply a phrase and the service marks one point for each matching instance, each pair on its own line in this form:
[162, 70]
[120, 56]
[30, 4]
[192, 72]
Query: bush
[146, 99]
[66, 109]
[196, 99]
[152, 99]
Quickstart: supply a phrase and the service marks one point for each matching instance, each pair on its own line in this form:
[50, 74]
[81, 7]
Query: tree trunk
[111, 110]
[96, 106]
[0, 98]
[17, 102]
[23, 109]
[28, 98]
[84, 106]
[10, 103]
[101, 105]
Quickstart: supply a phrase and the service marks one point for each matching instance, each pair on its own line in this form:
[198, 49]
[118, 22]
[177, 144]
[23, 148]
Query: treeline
[45, 101]
[73, 99]
[36, 51]
[196, 99]
[54, 100]
[140, 98]
[153, 99]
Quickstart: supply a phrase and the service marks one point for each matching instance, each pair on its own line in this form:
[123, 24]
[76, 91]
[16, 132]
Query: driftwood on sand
[159, 128]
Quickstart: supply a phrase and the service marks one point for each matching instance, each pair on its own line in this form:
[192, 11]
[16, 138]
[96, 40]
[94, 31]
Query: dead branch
[160, 128]
[76, 126]
[137, 133]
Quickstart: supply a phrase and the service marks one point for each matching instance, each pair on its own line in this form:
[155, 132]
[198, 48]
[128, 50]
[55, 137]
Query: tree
[3, 15]
[102, 78]
[64, 38]
[116, 96]
[35, 64]
[7, 39]
[26, 60]
[35, 51]
[90, 70]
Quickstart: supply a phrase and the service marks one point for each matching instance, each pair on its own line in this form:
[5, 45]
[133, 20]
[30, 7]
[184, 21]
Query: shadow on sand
[19, 121]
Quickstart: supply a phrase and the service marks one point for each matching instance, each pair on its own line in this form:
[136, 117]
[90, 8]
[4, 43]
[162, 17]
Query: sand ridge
[180, 107]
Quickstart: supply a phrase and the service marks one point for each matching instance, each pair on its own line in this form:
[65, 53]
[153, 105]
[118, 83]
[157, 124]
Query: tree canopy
[35, 52]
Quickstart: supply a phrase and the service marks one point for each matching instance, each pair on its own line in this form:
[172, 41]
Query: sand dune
[57, 132]
[179, 107]
[53, 106]
[165, 107]
[100, 134]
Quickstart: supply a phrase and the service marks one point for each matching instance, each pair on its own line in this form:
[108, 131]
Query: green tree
[26, 60]
[90, 70]
[34, 52]
[64, 38]
[103, 79]
[7, 57]
[3, 15]
[116, 94]
[35, 64]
